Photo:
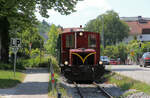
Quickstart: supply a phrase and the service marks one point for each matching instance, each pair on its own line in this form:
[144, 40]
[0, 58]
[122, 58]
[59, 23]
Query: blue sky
[90, 9]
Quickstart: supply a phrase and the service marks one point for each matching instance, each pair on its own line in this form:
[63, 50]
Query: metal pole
[75, 40]
[103, 31]
[15, 57]
[40, 51]
[102, 19]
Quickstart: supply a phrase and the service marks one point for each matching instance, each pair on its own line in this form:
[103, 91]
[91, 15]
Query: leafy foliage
[22, 12]
[115, 30]
[33, 62]
[117, 51]
[43, 27]
[133, 46]
[51, 43]
[20, 15]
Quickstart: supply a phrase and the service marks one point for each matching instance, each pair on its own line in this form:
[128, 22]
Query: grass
[126, 83]
[7, 79]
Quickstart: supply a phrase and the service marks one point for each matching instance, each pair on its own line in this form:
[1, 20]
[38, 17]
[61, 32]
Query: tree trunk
[4, 33]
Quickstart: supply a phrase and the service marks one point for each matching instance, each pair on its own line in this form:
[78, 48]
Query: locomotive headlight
[100, 62]
[66, 62]
[81, 33]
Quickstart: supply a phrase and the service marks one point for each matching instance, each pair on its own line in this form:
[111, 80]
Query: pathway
[35, 85]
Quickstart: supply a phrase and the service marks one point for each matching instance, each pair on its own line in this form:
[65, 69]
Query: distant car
[145, 60]
[113, 62]
[105, 60]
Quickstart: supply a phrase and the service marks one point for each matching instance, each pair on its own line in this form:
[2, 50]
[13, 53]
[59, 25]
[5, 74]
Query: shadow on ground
[8, 83]
[27, 88]
[30, 88]
[36, 70]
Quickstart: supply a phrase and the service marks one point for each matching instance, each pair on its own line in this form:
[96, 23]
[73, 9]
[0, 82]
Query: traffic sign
[132, 53]
[15, 42]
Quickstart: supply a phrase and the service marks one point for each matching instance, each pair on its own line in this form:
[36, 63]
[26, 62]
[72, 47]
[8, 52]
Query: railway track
[78, 90]
[102, 90]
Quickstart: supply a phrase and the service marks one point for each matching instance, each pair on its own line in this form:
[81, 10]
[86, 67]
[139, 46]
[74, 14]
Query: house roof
[129, 19]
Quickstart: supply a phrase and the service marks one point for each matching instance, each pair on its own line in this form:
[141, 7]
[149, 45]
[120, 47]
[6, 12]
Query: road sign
[132, 53]
[15, 42]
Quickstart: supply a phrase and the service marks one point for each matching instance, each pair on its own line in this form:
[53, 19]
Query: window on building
[70, 41]
[91, 40]
[146, 31]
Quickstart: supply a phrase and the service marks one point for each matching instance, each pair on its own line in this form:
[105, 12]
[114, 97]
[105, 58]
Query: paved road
[35, 85]
[133, 71]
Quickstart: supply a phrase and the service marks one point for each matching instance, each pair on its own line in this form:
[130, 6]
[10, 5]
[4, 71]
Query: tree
[21, 14]
[51, 43]
[43, 27]
[29, 36]
[117, 51]
[115, 30]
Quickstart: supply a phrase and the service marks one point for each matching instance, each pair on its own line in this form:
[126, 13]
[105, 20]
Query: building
[139, 28]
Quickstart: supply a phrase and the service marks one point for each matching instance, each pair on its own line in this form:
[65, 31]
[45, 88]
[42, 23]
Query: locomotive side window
[70, 41]
[91, 40]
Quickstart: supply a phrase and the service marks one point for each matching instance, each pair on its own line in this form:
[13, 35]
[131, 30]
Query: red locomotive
[79, 55]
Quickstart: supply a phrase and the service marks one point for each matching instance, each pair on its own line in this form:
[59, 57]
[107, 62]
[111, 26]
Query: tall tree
[21, 14]
[115, 30]
[43, 27]
[51, 43]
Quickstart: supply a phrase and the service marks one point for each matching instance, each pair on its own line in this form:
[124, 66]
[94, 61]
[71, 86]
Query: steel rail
[78, 90]
[103, 91]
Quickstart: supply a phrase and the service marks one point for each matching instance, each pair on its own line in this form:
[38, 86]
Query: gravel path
[133, 71]
[35, 85]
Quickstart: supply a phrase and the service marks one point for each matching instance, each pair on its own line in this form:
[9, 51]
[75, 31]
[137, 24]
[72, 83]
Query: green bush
[5, 66]
[117, 51]
[35, 52]
[34, 62]
[55, 64]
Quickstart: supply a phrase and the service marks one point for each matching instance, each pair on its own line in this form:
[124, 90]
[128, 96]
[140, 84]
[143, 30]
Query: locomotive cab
[80, 52]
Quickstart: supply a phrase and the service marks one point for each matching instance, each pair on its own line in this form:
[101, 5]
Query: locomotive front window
[70, 41]
[91, 40]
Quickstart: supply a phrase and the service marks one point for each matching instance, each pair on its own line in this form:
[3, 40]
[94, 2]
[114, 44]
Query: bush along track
[127, 84]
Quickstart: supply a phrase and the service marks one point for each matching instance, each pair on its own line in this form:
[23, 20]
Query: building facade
[139, 28]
